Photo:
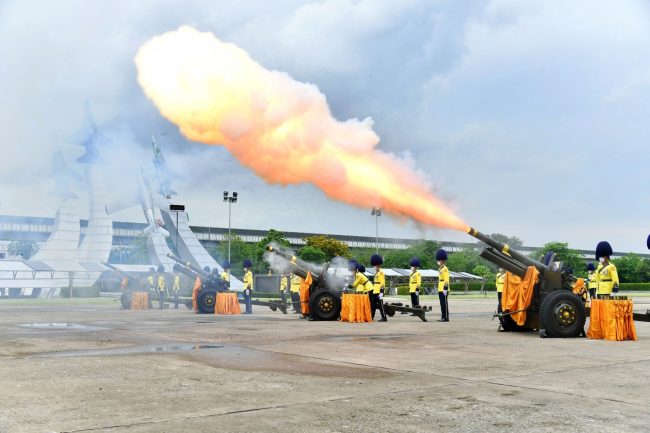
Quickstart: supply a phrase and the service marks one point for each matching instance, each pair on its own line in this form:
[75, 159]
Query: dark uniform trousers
[377, 303]
[415, 298]
[295, 300]
[161, 298]
[444, 306]
[283, 295]
[499, 294]
[248, 301]
[176, 299]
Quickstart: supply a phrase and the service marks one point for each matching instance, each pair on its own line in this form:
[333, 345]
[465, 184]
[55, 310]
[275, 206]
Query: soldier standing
[296, 282]
[151, 286]
[500, 282]
[225, 275]
[606, 274]
[283, 288]
[443, 284]
[162, 286]
[415, 281]
[592, 284]
[248, 286]
[379, 287]
[176, 288]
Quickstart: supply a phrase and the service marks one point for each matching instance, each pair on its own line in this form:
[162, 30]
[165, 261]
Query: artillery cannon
[324, 301]
[554, 310]
[133, 284]
[211, 284]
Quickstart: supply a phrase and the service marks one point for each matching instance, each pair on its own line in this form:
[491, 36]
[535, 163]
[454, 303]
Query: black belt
[605, 281]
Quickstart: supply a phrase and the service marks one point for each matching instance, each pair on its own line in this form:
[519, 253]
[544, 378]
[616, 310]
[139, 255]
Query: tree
[312, 254]
[24, 249]
[513, 241]
[330, 246]
[139, 254]
[568, 257]
[632, 269]
[465, 261]
[239, 251]
[484, 271]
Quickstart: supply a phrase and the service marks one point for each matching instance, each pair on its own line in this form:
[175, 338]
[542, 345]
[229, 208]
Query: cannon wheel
[562, 314]
[206, 301]
[125, 299]
[509, 324]
[325, 305]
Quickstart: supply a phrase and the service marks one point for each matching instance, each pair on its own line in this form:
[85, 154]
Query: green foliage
[273, 237]
[465, 261]
[312, 254]
[631, 268]
[138, 255]
[634, 286]
[513, 241]
[239, 251]
[24, 249]
[483, 271]
[330, 246]
[80, 292]
[566, 255]
[424, 250]
[398, 259]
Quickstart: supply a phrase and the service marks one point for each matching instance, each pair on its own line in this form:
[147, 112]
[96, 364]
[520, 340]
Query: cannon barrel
[504, 249]
[297, 266]
[185, 271]
[189, 266]
[116, 270]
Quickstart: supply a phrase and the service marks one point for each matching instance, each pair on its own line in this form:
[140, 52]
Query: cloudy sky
[529, 117]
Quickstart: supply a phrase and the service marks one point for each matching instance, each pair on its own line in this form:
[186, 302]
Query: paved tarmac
[100, 369]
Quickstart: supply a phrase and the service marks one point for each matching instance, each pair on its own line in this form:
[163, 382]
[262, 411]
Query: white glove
[247, 292]
[444, 292]
[381, 296]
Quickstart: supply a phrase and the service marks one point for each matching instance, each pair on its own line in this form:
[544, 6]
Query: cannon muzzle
[116, 270]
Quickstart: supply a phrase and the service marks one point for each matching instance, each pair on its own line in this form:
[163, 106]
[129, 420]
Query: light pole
[230, 199]
[176, 208]
[376, 212]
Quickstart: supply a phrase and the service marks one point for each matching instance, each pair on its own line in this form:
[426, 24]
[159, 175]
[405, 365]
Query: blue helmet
[361, 269]
[352, 265]
[604, 249]
[226, 264]
[161, 268]
[591, 267]
[206, 269]
[415, 262]
[441, 254]
[376, 260]
[248, 263]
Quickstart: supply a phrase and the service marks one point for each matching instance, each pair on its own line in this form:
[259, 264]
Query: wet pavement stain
[59, 326]
[133, 350]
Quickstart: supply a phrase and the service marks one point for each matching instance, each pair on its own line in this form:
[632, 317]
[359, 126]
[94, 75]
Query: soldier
[162, 286]
[592, 284]
[606, 274]
[500, 282]
[415, 281]
[248, 286]
[296, 282]
[283, 288]
[151, 286]
[225, 275]
[176, 288]
[443, 284]
[379, 287]
[361, 283]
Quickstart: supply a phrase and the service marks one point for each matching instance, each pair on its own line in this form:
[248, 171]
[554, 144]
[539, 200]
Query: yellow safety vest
[593, 284]
[283, 284]
[177, 283]
[248, 280]
[162, 283]
[296, 281]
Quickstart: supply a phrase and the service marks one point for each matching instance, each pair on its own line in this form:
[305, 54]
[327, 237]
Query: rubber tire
[315, 309]
[390, 312]
[206, 301]
[547, 315]
[125, 299]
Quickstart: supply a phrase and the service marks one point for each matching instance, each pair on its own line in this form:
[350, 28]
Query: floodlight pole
[377, 213]
[230, 199]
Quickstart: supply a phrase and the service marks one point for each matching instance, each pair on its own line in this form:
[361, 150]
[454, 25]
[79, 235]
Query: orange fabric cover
[140, 301]
[304, 294]
[355, 308]
[612, 320]
[518, 293]
[579, 286]
[195, 293]
[227, 303]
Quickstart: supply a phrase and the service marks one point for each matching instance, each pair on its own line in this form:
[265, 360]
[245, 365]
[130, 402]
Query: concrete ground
[175, 371]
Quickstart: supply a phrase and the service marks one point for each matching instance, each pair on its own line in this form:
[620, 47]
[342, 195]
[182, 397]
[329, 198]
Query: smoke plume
[280, 128]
